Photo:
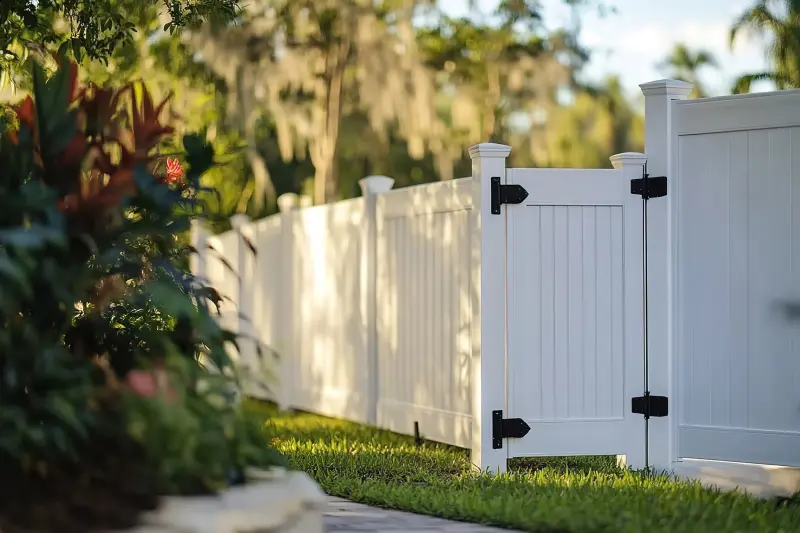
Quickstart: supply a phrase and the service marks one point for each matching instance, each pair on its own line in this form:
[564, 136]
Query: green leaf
[11, 270]
[64, 411]
[35, 236]
[199, 154]
[63, 49]
[77, 49]
[60, 133]
[169, 298]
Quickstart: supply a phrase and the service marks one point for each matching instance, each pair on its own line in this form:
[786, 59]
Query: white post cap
[238, 220]
[627, 159]
[287, 202]
[375, 184]
[675, 88]
[489, 150]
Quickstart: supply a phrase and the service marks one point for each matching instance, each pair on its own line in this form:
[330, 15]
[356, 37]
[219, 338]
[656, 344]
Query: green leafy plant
[105, 393]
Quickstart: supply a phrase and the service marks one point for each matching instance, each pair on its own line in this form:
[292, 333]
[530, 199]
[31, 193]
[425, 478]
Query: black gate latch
[506, 194]
[650, 406]
[649, 186]
[507, 428]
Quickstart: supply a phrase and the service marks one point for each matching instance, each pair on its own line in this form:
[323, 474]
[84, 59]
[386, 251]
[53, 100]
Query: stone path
[344, 516]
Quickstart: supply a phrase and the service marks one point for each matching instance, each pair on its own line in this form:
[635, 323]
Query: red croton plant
[104, 151]
[116, 131]
[105, 405]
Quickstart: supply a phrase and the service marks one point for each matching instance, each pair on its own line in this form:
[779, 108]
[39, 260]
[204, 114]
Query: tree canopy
[308, 96]
[94, 28]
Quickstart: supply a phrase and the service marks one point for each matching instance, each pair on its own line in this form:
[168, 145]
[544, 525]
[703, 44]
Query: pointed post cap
[489, 150]
[627, 159]
[668, 87]
[376, 184]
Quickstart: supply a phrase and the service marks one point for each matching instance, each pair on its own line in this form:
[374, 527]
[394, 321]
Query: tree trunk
[326, 165]
[492, 101]
[264, 188]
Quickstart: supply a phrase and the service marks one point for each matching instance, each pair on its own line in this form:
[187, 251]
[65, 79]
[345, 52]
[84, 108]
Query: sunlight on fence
[305, 293]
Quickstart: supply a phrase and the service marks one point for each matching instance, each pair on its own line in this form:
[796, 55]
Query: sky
[630, 42]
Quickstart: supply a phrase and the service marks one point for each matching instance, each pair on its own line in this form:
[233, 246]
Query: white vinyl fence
[350, 295]
[513, 312]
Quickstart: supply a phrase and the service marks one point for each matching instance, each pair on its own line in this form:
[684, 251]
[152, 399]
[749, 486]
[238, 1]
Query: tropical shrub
[106, 400]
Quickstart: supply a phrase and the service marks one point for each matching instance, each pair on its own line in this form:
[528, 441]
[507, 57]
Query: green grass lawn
[571, 495]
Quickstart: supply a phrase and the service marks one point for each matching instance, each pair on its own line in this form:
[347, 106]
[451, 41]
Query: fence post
[286, 346]
[659, 145]
[371, 187]
[488, 365]
[198, 261]
[244, 267]
[632, 165]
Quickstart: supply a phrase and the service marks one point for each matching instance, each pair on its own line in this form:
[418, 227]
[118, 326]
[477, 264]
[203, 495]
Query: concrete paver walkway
[344, 516]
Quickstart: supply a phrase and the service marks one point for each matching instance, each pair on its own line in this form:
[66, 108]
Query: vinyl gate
[737, 220]
[575, 327]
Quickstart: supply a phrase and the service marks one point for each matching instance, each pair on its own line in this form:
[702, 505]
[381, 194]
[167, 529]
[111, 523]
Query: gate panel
[575, 323]
[737, 222]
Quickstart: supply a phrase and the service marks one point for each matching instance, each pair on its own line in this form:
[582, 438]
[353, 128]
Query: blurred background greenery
[309, 96]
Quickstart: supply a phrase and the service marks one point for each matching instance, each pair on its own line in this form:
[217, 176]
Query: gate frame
[489, 361]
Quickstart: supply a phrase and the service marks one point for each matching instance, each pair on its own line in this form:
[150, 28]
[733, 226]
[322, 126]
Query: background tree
[779, 20]
[684, 64]
[599, 123]
[498, 73]
[306, 64]
[313, 95]
[94, 28]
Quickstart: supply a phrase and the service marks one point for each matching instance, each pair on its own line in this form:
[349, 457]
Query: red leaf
[26, 112]
[174, 170]
[74, 152]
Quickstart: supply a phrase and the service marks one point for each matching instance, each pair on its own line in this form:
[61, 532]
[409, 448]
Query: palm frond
[758, 18]
[744, 82]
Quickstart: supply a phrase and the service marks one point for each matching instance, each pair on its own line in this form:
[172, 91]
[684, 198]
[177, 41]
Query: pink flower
[150, 383]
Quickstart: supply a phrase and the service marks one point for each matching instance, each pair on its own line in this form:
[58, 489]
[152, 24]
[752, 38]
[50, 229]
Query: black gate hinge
[506, 194]
[506, 428]
[649, 186]
[650, 406]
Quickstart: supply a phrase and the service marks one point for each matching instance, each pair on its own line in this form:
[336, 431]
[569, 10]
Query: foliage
[684, 64]
[501, 66]
[324, 59]
[780, 19]
[109, 354]
[94, 27]
[415, 93]
[567, 495]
